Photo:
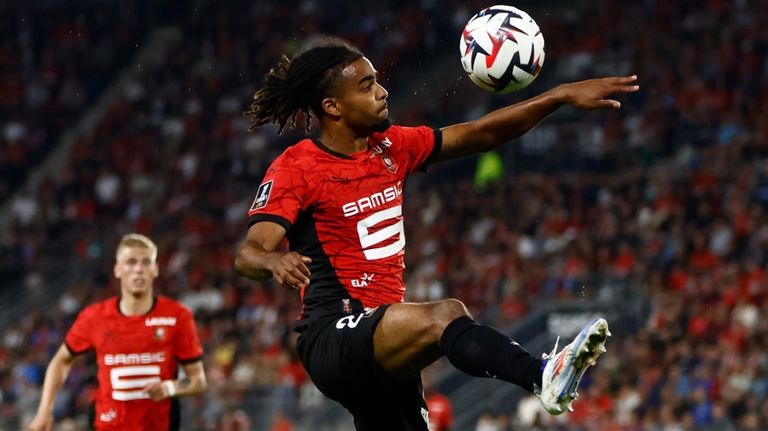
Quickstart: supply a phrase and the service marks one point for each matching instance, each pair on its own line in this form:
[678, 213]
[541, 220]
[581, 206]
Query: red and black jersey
[132, 351]
[345, 212]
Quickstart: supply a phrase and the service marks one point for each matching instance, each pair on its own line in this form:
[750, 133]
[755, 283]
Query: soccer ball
[502, 49]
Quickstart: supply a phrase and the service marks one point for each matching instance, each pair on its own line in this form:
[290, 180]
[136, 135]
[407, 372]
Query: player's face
[136, 270]
[362, 99]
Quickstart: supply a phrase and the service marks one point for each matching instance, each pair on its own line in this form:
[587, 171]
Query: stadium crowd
[668, 195]
[54, 60]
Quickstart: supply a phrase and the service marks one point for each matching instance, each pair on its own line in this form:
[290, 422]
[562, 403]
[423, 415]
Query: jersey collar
[117, 305]
[325, 148]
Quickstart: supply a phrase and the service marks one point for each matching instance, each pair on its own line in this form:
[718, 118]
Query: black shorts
[337, 352]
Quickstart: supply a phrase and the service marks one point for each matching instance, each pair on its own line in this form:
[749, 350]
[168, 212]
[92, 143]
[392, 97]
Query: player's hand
[593, 93]
[156, 391]
[41, 423]
[290, 270]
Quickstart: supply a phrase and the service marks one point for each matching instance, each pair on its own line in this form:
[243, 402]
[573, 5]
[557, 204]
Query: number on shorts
[350, 321]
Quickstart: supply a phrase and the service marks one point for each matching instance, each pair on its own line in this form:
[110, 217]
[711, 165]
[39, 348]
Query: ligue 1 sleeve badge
[262, 196]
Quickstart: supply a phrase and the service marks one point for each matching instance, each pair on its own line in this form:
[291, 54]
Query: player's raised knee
[448, 310]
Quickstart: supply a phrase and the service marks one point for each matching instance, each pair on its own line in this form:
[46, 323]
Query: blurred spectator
[439, 406]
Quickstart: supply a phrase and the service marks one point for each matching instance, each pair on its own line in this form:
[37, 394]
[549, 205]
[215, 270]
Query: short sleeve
[280, 195]
[79, 338]
[186, 344]
[420, 145]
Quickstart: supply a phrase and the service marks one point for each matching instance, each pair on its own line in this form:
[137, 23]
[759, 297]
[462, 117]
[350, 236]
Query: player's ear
[116, 270]
[331, 106]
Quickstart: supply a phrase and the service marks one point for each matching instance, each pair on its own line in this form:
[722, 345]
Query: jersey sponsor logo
[371, 238]
[108, 416]
[382, 146]
[262, 196]
[160, 321]
[128, 382]
[375, 200]
[363, 281]
[134, 358]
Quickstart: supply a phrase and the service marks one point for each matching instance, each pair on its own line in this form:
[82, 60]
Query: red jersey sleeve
[186, 344]
[280, 196]
[79, 337]
[418, 146]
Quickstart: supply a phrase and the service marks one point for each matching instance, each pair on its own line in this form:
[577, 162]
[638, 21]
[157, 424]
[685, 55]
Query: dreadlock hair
[300, 84]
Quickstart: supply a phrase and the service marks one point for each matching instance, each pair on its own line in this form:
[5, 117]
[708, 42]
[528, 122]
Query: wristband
[170, 387]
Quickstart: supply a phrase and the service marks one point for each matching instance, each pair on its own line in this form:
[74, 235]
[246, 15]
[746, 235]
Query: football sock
[482, 351]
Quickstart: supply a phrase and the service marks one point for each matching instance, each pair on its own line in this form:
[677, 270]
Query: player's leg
[407, 339]
[411, 336]
[337, 353]
[392, 405]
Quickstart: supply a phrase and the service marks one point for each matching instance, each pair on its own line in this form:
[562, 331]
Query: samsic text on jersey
[345, 212]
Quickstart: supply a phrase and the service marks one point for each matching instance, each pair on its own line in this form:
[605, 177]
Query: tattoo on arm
[185, 384]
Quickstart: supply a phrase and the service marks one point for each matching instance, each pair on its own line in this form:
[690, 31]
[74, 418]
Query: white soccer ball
[502, 49]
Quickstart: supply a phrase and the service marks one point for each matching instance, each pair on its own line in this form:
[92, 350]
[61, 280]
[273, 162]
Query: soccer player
[338, 200]
[139, 340]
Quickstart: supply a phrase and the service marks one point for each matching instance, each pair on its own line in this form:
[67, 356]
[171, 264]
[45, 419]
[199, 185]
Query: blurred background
[126, 116]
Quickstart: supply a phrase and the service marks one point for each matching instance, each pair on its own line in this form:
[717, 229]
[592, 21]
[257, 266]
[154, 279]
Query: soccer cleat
[563, 371]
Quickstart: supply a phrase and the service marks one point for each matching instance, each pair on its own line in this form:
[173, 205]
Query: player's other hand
[41, 423]
[593, 93]
[290, 270]
[156, 391]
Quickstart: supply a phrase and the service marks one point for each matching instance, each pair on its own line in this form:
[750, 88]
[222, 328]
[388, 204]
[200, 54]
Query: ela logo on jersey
[363, 281]
[262, 196]
[108, 416]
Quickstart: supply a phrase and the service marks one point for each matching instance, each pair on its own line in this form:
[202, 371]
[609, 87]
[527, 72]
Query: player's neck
[343, 140]
[131, 305]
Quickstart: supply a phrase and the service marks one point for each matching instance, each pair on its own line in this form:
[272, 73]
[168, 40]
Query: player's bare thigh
[407, 339]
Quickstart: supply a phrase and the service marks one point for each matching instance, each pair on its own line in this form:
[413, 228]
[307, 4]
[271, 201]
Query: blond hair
[139, 241]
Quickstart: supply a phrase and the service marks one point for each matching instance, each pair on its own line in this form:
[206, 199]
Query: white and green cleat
[563, 371]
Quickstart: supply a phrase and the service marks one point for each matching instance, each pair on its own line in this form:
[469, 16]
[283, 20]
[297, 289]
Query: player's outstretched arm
[503, 125]
[258, 260]
[194, 383]
[55, 376]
